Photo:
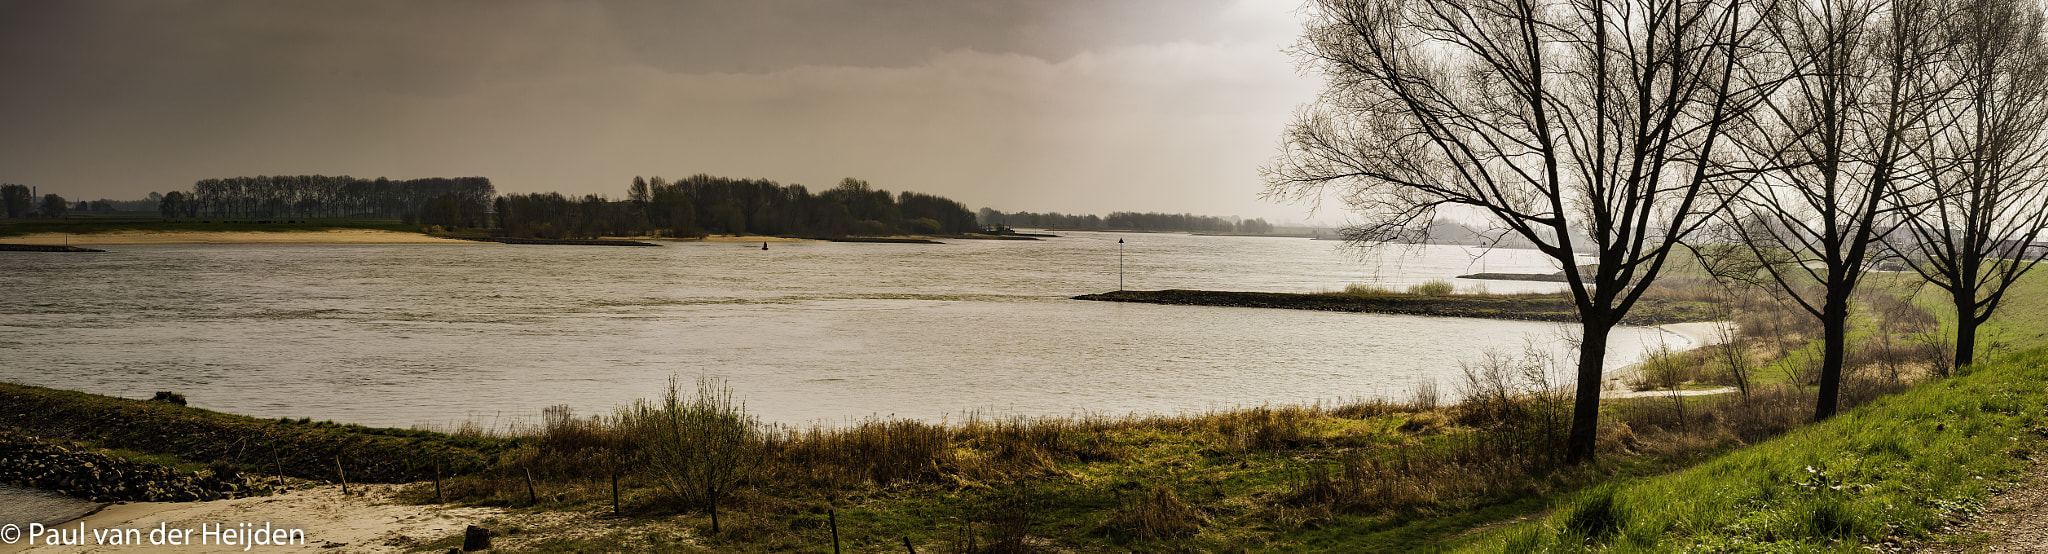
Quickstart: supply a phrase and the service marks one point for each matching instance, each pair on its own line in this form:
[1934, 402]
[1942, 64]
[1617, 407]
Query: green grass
[2021, 321]
[181, 436]
[1891, 469]
[110, 224]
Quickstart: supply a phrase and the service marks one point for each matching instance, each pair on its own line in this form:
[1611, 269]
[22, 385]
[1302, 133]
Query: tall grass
[1433, 287]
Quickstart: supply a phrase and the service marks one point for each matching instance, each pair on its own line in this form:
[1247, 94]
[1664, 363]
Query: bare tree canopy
[1585, 126]
[1970, 230]
[1830, 155]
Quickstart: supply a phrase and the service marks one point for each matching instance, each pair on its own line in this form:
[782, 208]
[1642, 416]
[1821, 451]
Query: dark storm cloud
[1065, 104]
[696, 37]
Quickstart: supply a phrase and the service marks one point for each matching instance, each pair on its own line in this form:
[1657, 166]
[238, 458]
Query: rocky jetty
[44, 248]
[1523, 307]
[30, 462]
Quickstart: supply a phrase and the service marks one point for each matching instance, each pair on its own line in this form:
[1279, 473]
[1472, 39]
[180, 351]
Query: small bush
[1433, 287]
[699, 448]
[168, 396]
[923, 226]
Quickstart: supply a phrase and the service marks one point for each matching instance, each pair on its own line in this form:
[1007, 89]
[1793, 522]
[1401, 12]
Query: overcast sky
[1081, 106]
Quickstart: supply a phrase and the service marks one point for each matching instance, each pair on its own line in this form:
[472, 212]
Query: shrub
[1433, 287]
[923, 226]
[697, 449]
[1361, 288]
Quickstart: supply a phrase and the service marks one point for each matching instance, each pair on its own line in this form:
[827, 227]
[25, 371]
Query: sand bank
[1686, 336]
[331, 236]
[367, 521]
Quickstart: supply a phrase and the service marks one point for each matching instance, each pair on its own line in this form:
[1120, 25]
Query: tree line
[459, 201]
[1790, 143]
[703, 204]
[1126, 221]
[20, 201]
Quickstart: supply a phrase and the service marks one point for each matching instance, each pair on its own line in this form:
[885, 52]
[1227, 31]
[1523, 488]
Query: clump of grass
[1433, 287]
[1362, 288]
[1159, 514]
[1665, 368]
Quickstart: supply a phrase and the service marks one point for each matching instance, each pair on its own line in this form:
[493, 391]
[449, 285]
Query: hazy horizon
[1069, 106]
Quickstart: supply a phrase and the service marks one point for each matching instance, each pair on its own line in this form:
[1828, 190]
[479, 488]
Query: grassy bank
[1530, 307]
[1895, 469]
[180, 436]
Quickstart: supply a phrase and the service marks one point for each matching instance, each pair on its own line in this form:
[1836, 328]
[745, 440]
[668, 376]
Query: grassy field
[14, 227]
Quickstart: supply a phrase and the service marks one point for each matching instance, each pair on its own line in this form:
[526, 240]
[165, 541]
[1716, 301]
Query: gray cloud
[1059, 105]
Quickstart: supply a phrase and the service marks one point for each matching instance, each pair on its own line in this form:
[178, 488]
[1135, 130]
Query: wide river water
[805, 333]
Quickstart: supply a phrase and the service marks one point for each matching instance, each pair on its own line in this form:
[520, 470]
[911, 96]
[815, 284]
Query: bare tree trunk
[1966, 331]
[1586, 404]
[1834, 321]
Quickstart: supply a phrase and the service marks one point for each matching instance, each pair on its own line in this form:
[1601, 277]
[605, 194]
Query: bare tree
[1583, 126]
[1831, 152]
[1970, 232]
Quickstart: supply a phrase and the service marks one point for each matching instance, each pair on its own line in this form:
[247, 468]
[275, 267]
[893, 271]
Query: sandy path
[367, 521]
[331, 236]
[2017, 521]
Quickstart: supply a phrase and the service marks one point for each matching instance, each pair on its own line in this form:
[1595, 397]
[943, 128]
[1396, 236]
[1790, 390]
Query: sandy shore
[1685, 336]
[331, 236]
[367, 521]
[1695, 335]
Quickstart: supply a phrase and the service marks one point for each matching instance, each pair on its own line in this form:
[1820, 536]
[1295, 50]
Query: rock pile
[29, 462]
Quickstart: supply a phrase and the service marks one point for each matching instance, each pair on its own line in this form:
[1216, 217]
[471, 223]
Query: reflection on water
[399, 335]
[21, 507]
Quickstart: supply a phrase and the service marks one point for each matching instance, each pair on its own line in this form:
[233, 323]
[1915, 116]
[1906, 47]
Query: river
[805, 333]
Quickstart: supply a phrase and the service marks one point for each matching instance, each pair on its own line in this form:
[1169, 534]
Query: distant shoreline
[330, 236]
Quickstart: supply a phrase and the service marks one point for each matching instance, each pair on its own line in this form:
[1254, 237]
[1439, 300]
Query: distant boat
[764, 245]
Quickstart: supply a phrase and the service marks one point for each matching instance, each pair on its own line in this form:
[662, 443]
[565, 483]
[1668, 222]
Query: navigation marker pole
[1119, 264]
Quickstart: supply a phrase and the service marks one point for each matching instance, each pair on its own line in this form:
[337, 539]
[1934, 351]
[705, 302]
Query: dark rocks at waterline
[1558, 277]
[29, 462]
[1523, 307]
[1537, 277]
[44, 248]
